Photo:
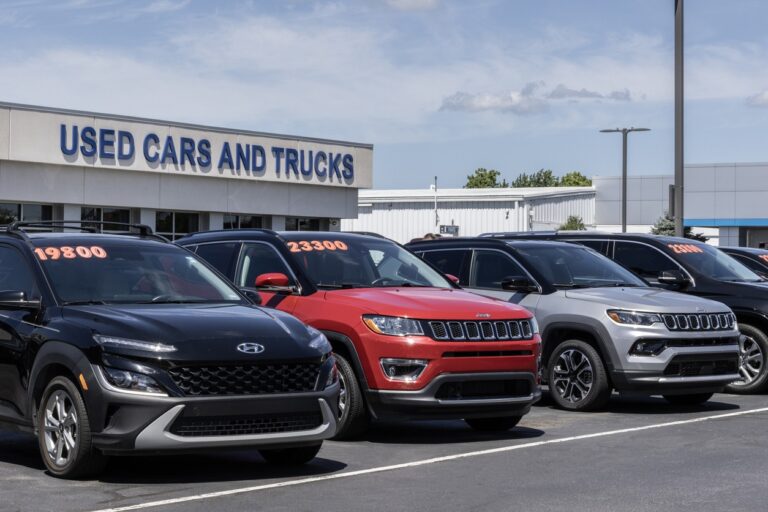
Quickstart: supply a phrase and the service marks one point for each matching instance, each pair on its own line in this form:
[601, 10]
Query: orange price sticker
[317, 245]
[70, 253]
[764, 257]
[685, 249]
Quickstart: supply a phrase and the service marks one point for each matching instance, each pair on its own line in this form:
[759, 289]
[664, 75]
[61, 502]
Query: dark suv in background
[117, 344]
[689, 266]
[754, 259]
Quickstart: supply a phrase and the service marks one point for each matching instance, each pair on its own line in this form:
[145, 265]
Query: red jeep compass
[409, 343]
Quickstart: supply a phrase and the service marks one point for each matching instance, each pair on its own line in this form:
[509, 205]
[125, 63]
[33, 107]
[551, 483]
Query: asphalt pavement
[640, 454]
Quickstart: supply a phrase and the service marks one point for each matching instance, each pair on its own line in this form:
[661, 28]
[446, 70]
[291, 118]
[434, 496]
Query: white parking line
[434, 460]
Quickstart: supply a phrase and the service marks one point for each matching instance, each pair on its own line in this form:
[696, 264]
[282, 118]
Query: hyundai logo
[250, 348]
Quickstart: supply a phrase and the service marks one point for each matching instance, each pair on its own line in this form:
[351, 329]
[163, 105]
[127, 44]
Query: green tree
[575, 179]
[574, 223]
[540, 178]
[485, 178]
[666, 226]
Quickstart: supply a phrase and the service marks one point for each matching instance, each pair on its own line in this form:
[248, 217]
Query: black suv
[117, 344]
[689, 266]
[754, 259]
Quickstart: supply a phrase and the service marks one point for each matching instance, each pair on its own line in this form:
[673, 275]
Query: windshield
[712, 262]
[116, 272]
[361, 263]
[577, 267]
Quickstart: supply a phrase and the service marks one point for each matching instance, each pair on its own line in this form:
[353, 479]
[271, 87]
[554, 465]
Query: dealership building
[175, 177]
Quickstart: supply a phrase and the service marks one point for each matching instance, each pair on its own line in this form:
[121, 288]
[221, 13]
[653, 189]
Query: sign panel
[449, 230]
[81, 140]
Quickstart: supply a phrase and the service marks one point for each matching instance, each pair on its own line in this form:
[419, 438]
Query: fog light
[648, 347]
[407, 370]
[132, 381]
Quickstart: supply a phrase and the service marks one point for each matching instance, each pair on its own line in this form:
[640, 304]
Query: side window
[451, 261]
[643, 260]
[260, 259]
[15, 274]
[222, 256]
[751, 264]
[600, 246]
[491, 267]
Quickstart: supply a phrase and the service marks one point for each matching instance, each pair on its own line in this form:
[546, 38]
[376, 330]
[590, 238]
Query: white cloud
[413, 5]
[758, 100]
[518, 102]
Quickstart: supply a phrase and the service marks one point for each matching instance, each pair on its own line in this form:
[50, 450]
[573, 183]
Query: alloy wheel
[342, 394]
[60, 428]
[750, 360]
[573, 375]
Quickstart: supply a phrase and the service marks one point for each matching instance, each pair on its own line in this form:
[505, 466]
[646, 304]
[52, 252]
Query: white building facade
[177, 178]
[406, 214]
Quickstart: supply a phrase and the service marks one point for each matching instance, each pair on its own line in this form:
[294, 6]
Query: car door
[17, 327]
[258, 258]
[222, 256]
[490, 267]
[455, 262]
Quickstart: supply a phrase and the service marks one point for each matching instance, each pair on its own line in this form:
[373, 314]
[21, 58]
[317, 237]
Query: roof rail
[366, 233]
[263, 230]
[520, 234]
[89, 226]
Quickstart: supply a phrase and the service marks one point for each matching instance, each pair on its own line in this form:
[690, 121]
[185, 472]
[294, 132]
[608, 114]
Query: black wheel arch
[56, 358]
[345, 347]
[556, 333]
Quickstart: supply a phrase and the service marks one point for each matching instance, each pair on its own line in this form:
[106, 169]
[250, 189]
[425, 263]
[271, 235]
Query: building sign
[128, 144]
[449, 230]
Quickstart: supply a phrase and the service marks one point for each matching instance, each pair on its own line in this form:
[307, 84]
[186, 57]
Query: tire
[588, 388]
[291, 456]
[753, 362]
[493, 424]
[64, 434]
[694, 399]
[353, 418]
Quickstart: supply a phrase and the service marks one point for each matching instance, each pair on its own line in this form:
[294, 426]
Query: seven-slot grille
[245, 380]
[700, 322]
[499, 330]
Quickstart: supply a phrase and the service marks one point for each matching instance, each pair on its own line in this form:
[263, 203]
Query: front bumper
[127, 423]
[442, 397]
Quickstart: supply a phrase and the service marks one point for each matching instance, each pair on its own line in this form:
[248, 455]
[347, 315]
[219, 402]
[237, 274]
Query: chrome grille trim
[699, 322]
[499, 330]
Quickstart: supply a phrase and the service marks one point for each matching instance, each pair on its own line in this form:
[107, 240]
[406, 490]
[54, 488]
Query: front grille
[245, 380]
[695, 365]
[479, 389]
[479, 331]
[700, 322]
[245, 425]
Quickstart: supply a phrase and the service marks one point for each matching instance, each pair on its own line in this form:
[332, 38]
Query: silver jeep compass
[602, 327]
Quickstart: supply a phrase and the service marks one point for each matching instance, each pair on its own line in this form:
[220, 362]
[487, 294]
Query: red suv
[409, 343]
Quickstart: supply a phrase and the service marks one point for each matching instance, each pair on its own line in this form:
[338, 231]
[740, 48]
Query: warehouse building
[175, 177]
[406, 214]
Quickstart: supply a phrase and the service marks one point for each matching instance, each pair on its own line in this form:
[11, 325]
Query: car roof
[268, 234]
[592, 235]
[521, 243]
[37, 238]
[750, 250]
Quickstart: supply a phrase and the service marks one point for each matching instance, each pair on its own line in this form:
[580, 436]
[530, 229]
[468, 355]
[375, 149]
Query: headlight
[319, 341]
[146, 346]
[393, 325]
[132, 381]
[534, 325]
[633, 317]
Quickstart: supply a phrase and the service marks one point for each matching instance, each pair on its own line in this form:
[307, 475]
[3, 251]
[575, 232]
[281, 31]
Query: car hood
[647, 299]
[199, 332]
[426, 303]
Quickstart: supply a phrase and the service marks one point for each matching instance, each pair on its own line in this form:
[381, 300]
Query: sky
[439, 87]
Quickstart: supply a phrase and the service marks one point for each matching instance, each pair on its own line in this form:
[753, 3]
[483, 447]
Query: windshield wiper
[84, 303]
[614, 285]
[337, 286]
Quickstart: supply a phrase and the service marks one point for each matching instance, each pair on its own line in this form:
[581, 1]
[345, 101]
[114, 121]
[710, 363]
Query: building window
[302, 224]
[174, 225]
[243, 221]
[99, 214]
[10, 212]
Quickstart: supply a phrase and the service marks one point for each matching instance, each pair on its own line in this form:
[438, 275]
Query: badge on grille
[250, 348]
[483, 315]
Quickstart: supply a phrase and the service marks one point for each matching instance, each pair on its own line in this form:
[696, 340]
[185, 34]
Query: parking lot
[638, 454]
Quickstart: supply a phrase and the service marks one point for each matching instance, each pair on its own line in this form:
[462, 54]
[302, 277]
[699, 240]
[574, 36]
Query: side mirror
[518, 284]
[452, 278]
[252, 295]
[17, 299]
[273, 281]
[672, 278]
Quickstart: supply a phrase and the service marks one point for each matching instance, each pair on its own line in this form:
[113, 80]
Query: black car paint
[37, 343]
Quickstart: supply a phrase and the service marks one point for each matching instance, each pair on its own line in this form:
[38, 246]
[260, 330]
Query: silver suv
[603, 328]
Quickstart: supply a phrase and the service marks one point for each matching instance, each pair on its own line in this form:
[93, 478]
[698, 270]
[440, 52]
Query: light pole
[624, 132]
[679, 120]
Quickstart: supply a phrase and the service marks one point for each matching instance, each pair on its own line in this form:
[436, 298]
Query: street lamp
[624, 132]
